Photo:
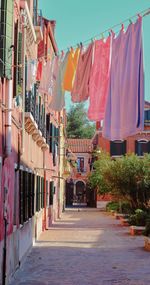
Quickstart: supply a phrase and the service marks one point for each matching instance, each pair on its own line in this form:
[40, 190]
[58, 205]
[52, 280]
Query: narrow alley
[86, 247]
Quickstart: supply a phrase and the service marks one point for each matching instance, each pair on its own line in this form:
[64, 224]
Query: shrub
[114, 206]
[139, 218]
[126, 208]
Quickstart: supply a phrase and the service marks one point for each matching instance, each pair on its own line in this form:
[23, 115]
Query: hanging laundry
[48, 76]
[71, 69]
[39, 71]
[80, 91]
[99, 78]
[58, 99]
[124, 114]
[31, 74]
[44, 83]
[53, 75]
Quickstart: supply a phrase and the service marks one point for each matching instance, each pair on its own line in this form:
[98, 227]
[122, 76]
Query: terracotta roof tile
[80, 145]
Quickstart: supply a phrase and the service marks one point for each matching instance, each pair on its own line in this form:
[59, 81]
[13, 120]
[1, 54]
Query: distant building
[77, 192]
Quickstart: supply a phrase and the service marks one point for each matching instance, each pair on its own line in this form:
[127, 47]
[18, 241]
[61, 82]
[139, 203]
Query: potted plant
[138, 222]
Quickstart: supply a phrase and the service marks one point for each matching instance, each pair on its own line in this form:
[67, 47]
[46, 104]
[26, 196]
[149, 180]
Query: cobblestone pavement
[86, 248]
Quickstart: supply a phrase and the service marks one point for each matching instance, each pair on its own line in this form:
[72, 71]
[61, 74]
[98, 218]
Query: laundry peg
[62, 53]
[122, 27]
[81, 45]
[130, 21]
[139, 16]
[102, 36]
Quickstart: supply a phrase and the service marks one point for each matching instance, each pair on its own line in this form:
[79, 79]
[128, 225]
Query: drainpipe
[8, 118]
[24, 81]
[44, 224]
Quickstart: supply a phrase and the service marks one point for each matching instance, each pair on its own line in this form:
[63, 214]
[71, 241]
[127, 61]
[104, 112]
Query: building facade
[77, 192]
[31, 181]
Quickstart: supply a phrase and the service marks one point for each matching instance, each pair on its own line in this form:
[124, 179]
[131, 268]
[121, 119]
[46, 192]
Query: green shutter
[21, 198]
[51, 194]
[6, 27]
[46, 193]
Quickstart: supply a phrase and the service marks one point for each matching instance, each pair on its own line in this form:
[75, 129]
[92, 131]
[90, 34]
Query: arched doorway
[81, 191]
[69, 193]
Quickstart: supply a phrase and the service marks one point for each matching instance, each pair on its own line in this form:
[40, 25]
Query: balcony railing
[34, 109]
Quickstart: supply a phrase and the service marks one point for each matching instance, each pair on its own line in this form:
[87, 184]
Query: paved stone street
[86, 248]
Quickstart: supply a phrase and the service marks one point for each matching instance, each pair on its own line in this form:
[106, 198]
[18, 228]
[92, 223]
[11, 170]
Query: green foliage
[78, 125]
[97, 178]
[126, 178]
[126, 208]
[114, 206]
[139, 218]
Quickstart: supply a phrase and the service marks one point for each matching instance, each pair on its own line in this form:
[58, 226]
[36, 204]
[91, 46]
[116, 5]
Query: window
[6, 31]
[31, 195]
[147, 117]
[26, 195]
[117, 148]
[80, 164]
[141, 147]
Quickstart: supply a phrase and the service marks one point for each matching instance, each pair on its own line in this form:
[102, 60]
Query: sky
[80, 20]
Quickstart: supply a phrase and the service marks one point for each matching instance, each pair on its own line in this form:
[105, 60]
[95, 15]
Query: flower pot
[147, 243]
[124, 222]
[136, 230]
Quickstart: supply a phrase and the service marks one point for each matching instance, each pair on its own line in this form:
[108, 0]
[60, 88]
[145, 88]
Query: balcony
[38, 24]
[34, 121]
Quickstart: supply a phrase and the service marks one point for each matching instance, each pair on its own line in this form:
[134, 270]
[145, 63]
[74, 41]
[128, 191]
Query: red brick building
[139, 143]
[77, 192]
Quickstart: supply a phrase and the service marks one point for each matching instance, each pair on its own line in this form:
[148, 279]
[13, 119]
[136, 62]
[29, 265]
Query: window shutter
[15, 59]
[19, 85]
[48, 129]
[42, 192]
[29, 195]
[21, 197]
[33, 194]
[118, 148]
[6, 30]
[38, 194]
[46, 193]
[51, 193]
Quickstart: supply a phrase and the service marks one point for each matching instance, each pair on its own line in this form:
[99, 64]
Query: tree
[78, 125]
[126, 178]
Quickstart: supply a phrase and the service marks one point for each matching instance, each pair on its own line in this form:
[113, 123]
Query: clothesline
[109, 30]
[86, 42]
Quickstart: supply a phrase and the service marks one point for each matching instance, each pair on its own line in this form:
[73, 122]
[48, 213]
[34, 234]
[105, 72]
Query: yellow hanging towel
[71, 69]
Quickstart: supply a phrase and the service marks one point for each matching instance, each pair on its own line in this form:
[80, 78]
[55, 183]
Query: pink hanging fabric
[99, 78]
[44, 83]
[49, 75]
[80, 91]
[124, 115]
